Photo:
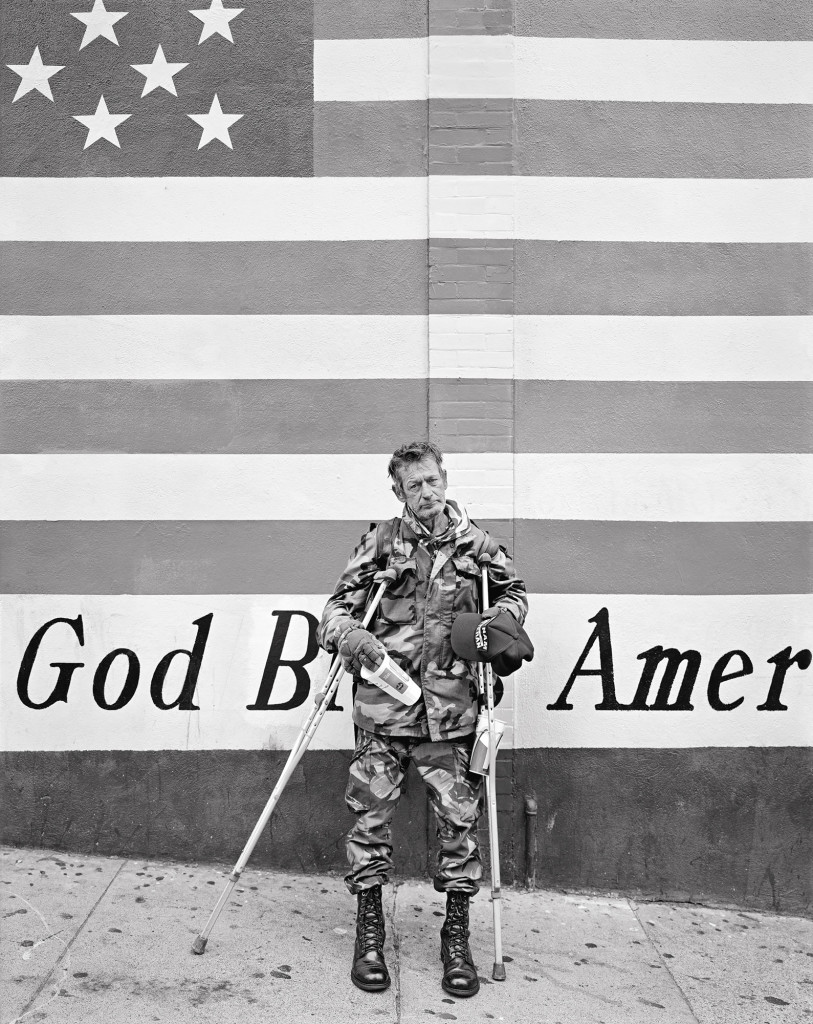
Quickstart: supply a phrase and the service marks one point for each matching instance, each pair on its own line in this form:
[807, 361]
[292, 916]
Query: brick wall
[471, 276]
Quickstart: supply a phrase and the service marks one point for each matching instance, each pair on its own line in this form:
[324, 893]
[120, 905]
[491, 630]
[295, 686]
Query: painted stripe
[622, 209]
[370, 69]
[369, 138]
[652, 487]
[657, 279]
[240, 635]
[552, 556]
[212, 347]
[593, 557]
[673, 487]
[358, 19]
[262, 416]
[664, 348]
[212, 209]
[665, 19]
[229, 486]
[79, 278]
[663, 140]
[663, 70]
[572, 208]
[646, 416]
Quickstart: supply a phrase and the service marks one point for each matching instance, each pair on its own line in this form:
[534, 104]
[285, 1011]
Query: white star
[101, 125]
[215, 124]
[216, 19]
[34, 75]
[98, 22]
[159, 74]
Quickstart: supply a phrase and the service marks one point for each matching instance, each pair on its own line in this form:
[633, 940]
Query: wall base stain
[730, 825]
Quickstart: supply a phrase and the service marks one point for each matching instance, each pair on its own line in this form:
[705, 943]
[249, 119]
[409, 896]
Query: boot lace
[370, 923]
[457, 928]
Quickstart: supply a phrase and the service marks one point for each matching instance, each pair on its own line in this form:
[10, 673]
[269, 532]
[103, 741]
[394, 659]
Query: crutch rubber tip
[199, 945]
[498, 974]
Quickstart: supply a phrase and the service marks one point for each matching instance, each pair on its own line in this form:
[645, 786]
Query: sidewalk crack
[664, 962]
[66, 952]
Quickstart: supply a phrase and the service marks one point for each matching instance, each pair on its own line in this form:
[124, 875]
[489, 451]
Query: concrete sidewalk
[92, 939]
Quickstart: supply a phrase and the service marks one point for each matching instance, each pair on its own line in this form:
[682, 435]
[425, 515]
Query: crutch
[321, 701]
[487, 689]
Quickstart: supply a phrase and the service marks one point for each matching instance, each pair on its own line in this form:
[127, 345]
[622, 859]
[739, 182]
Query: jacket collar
[458, 526]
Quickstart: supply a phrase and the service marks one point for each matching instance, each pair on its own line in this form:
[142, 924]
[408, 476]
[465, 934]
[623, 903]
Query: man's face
[422, 485]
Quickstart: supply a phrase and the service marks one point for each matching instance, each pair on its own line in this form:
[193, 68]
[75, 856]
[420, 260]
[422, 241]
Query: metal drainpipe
[530, 841]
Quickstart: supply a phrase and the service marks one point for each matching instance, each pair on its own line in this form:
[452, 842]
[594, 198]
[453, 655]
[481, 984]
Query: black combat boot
[369, 971]
[459, 973]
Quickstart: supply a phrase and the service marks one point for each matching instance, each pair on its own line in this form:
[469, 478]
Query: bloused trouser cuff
[374, 788]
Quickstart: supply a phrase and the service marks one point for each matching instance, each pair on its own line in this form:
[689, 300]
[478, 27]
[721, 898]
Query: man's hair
[411, 452]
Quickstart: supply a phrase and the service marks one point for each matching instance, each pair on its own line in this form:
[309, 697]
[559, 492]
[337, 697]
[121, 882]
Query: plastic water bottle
[392, 679]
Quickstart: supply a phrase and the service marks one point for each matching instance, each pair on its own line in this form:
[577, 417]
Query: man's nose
[426, 490]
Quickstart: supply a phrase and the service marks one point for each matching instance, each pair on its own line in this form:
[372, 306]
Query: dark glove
[359, 647]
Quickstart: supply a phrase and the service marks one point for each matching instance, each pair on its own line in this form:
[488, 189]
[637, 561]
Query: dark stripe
[294, 557]
[267, 76]
[248, 416]
[663, 278]
[471, 17]
[662, 140]
[472, 415]
[600, 557]
[361, 19]
[471, 136]
[366, 138]
[645, 416]
[665, 19]
[700, 824]
[74, 278]
[471, 275]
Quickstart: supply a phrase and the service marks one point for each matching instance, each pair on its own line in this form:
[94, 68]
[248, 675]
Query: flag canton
[107, 87]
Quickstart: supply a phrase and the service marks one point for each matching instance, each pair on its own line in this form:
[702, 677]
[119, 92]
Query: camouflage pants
[374, 788]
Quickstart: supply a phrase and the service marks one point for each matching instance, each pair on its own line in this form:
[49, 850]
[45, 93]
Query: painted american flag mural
[249, 250]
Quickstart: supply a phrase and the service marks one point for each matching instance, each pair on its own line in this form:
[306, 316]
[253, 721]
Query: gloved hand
[359, 647]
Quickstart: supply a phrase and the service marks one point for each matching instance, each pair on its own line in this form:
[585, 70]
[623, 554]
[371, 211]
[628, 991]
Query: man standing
[435, 548]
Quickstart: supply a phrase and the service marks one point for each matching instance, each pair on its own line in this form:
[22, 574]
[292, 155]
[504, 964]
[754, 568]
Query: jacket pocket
[467, 584]
[398, 601]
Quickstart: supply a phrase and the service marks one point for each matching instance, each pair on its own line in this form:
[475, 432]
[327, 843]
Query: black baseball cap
[499, 640]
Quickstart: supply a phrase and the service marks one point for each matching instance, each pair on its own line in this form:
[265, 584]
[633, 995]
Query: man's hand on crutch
[321, 703]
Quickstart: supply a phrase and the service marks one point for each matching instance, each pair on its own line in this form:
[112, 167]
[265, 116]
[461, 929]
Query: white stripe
[663, 348]
[370, 69]
[622, 209]
[212, 209]
[212, 347]
[318, 209]
[673, 487]
[665, 70]
[243, 625]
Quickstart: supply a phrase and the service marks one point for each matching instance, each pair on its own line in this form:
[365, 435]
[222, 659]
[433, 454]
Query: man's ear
[396, 490]
[444, 478]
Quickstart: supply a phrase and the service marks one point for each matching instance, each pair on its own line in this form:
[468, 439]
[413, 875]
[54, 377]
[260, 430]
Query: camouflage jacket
[440, 579]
